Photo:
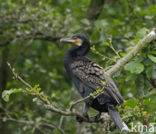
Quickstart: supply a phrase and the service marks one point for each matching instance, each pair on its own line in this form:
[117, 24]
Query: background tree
[29, 40]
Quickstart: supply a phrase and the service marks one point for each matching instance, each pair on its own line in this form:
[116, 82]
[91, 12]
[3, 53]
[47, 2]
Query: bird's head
[77, 39]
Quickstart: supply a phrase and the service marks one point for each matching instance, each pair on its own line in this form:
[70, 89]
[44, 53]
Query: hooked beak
[76, 41]
[68, 40]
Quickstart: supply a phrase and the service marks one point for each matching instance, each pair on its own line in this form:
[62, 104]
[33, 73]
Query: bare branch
[93, 95]
[50, 125]
[147, 39]
[34, 35]
[61, 121]
[18, 77]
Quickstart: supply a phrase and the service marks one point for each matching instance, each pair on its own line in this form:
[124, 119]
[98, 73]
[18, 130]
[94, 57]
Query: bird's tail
[116, 118]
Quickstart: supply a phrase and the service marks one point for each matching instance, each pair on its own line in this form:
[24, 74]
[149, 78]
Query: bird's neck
[82, 51]
[73, 53]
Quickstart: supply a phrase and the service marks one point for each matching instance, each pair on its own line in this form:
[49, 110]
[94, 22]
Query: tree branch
[93, 95]
[46, 101]
[147, 39]
[34, 35]
[50, 125]
[18, 77]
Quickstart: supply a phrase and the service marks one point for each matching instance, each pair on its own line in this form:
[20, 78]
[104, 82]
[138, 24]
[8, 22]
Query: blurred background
[29, 40]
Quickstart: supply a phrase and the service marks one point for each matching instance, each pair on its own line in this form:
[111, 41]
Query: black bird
[87, 77]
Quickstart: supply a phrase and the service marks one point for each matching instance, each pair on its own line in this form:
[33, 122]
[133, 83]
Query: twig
[100, 54]
[149, 94]
[83, 99]
[71, 113]
[51, 125]
[79, 101]
[111, 46]
[40, 96]
[61, 121]
[18, 77]
[147, 39]
[141, 92]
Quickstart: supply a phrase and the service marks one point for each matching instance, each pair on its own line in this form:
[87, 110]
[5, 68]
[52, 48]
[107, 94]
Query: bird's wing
[93, 75]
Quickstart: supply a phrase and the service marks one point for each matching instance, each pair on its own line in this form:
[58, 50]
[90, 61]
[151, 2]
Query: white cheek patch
[79, 43]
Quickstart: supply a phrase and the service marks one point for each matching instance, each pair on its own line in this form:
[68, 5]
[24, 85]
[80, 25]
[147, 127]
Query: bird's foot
[86, 115]
[97, 117]
[80, 120]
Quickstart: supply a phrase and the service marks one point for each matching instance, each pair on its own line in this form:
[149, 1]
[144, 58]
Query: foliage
[29, 40]
[7, 93]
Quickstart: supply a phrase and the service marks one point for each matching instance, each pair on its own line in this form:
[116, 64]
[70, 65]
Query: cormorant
[87, 77]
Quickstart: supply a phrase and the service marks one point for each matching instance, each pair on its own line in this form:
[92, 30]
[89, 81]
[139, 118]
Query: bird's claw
[80, 120]
[97, 118]
[86, 115]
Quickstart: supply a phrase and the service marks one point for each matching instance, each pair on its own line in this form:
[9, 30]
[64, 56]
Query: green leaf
[85, 21]
[149, 71]
[152, 52]
[100, 23]
[6, 93]
[37, 88]
[131, 102]
[122, 54]
[35, 99]
[134, 67]
[106, 43]
[152, 58]
[141, 33]
[146, 102]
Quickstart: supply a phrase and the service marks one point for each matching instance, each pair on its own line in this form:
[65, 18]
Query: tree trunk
[3, 82]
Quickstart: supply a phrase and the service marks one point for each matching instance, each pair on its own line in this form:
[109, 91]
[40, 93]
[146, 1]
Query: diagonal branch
[18, 77]
[47, 103]
[147, 39]
[93, 95]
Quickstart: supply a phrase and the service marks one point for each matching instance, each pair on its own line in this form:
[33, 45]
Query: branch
[93, 95]
[46, 101]
[14, 21]
[35, 123]
[38, 35]
[152, 93]
[147, 39]
[18, 77]
[79, 101]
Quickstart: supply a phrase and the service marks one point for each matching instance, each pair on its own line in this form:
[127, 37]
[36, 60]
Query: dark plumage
[87, 77]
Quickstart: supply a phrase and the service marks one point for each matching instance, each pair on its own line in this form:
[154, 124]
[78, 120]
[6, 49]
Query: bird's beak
[76, 41]
[68, 40]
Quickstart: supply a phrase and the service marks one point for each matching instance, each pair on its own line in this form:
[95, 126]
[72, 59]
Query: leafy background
[29, 40]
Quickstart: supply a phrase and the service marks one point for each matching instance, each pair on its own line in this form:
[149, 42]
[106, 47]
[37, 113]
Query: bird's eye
[74, 37]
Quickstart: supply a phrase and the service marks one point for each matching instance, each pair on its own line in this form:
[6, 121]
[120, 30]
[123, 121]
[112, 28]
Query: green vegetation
[29, 41]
